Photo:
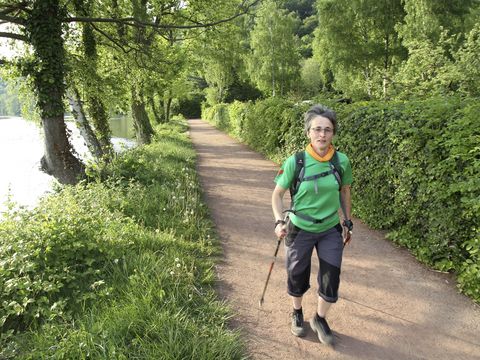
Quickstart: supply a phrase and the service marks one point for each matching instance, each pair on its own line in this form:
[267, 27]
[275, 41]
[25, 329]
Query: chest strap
[318, 176]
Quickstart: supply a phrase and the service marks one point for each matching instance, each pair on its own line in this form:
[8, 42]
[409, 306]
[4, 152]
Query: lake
[21, 147]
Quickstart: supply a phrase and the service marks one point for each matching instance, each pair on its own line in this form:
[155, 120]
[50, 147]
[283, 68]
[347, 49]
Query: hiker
[319, 180]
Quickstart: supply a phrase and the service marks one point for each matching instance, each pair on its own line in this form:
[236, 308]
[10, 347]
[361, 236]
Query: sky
[5, 48]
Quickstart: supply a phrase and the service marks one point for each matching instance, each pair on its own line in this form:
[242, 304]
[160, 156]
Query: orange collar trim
[328, 156]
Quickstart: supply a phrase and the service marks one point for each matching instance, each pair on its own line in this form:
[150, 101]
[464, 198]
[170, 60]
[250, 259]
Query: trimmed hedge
[416, 169]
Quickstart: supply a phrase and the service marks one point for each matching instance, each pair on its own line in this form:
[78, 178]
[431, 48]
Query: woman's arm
[347, 202]
[277, 207]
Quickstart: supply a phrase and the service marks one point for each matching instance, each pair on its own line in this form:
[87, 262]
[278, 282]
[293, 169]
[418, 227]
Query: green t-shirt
[320, 201]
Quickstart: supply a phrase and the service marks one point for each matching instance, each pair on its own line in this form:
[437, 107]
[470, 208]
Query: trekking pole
[270, 272]
[347, 238]
[260, 302]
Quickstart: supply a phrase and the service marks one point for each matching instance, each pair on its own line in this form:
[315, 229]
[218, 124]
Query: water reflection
[21, 147]
[122, 127]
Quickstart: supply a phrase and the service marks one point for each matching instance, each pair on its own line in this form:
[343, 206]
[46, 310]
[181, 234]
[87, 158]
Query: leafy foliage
[358, 43]
[422, 164]
[273, 64]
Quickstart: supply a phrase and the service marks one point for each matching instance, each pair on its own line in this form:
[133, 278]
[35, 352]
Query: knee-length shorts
[299, 247]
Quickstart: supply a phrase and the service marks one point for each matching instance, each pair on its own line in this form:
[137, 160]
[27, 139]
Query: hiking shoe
[320, 327]
[297, 327]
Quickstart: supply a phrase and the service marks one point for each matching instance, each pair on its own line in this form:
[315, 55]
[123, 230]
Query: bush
[55, 258]
[422, 164]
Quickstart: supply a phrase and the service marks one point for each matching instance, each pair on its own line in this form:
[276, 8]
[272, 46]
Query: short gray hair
[319, 110]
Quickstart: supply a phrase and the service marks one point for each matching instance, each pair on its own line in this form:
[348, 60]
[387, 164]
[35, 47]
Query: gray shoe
[321, 328]
[297, 327]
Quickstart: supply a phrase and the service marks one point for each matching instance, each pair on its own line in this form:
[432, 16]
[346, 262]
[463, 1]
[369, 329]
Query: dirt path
[390, 306]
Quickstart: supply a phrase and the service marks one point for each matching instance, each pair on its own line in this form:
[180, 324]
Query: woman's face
[320, 134]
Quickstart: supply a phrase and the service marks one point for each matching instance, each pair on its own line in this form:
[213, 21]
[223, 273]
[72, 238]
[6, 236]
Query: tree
[466, 69]
[433, 33]
[92, 83]
[41, 23]
[311, 77]
[306, 13]
[426, 19]
[273, 63]
[357, 41]
[222, 54]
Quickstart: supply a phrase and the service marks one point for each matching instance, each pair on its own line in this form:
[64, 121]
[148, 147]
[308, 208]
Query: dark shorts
[299, 247]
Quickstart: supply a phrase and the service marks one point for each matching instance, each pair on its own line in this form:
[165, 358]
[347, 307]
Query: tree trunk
[158, 117]
[82, 123]
[58, 160]
[44, 29]
[366, 74]
[386, 62]
[168, 105]
[141, 123]
[96, 110]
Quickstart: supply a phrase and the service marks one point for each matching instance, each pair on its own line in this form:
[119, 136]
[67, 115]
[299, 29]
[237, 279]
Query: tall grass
[129, 259]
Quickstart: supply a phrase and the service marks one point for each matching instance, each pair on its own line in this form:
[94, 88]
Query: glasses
[318, 130]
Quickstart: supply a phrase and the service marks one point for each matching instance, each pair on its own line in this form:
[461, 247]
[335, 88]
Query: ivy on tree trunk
[86, 130]
[44, 29]
[141, 122]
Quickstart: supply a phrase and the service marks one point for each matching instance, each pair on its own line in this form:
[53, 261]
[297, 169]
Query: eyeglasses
[318, 130]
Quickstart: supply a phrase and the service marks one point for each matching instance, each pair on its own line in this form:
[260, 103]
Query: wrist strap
[348, 224]
[279, 222]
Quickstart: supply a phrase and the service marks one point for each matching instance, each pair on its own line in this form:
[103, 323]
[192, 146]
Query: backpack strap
[336, 169]
[338, 172]
[298, 174]
[309, 218]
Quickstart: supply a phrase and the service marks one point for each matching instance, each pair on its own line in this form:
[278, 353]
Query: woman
[314, 221]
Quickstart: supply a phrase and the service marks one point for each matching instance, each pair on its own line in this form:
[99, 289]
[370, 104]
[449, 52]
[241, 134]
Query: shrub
[55, 258]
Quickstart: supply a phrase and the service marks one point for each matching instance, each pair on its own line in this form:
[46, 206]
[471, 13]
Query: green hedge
[416, 169]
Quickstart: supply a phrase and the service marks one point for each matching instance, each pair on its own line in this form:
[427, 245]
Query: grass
[129, 259]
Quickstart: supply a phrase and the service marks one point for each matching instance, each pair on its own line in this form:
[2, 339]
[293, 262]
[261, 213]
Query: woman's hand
[281, 229]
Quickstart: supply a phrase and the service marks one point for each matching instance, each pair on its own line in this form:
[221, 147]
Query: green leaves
[273, 64]
[417, 177]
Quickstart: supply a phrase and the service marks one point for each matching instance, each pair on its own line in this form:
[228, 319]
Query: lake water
[21, 147]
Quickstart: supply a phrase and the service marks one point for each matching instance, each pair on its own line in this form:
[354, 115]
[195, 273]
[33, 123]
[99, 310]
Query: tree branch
[13, 36]
[12, 19]
[8, 8]
[113, 40]
[131, 21]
